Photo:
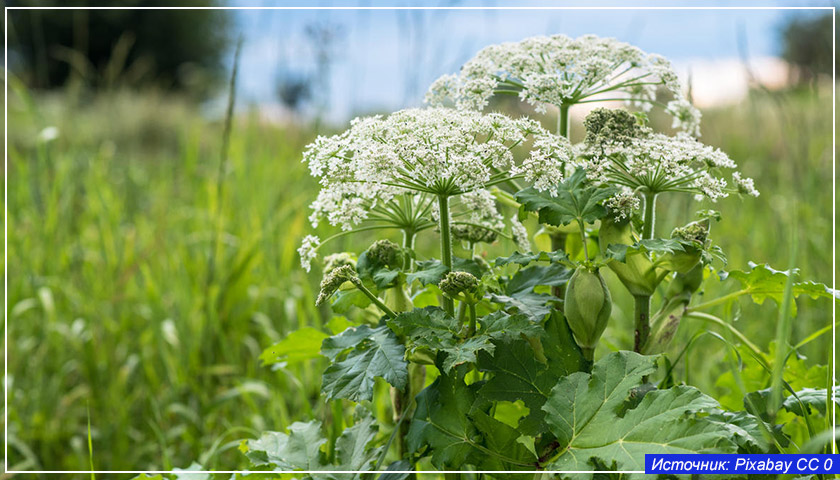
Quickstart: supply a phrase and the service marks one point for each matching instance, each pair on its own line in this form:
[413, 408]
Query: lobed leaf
[573, 200]
[762, 282]
[433, 328]
[300, 449]
[583, 413]
[456, 435]
[524, 259]
[518, 374]
[519, 291]
[375, 353]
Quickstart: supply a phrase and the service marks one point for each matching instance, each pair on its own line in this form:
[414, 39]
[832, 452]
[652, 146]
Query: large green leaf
[572, 200]
[441, 422]
[657, 246]
[458, 436]
[354, 449]
[811, 399]
[762, 282]
[303, 344]
[748, 431]
[431, 271]
[584, 413]
[523, 259]
[372, 353]
[520, 296]
[433, 328]
[300, 449]
[518, 374]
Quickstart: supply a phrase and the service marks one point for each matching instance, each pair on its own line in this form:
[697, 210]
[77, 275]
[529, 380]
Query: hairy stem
[373, 298]
[642, 316]
[583, 240]
[409, 236]
[650, 216]
[471, 330]
[642, 310]
[445, 246]
[563, 121]
[558, 242]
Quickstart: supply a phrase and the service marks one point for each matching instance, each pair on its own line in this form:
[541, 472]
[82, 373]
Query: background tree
[180, 49]
[806, 45]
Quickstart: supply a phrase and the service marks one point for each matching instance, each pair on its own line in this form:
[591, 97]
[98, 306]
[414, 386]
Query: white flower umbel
[563, 71]
[405, 168]
[654, 163]
[621, 152]
[439, 151]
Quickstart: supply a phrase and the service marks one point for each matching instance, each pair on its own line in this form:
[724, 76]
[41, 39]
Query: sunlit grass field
[146, 277]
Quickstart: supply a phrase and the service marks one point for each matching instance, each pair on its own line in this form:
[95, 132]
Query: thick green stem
[408, 244]
[373, 298]
[583, 240]
[642, 316]
[558, 242]
[471, 330]
[650, 216]
[337, 425]
[563, 121]
[445, 246]
[642, 310]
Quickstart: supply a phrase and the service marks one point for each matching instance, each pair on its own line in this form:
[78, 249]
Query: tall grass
[112, 223]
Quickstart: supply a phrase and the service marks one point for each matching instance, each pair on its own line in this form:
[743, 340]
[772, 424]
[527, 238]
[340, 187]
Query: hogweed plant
[500, 365]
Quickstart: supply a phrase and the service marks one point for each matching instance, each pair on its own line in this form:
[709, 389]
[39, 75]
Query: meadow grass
[112, 309]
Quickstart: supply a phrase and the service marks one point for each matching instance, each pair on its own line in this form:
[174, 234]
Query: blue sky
[385, 59]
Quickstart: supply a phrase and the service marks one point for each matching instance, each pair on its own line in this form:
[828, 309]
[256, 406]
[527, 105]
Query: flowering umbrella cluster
[401, 169]
[619, 151]
[563, 71]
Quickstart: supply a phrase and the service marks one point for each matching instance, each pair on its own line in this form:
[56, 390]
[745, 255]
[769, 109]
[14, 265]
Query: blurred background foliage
[117, 316]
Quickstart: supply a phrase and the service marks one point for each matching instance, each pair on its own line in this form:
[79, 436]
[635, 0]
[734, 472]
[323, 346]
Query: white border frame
[6, 220]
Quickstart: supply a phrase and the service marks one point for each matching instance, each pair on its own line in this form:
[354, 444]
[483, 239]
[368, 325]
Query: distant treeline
[179, 49]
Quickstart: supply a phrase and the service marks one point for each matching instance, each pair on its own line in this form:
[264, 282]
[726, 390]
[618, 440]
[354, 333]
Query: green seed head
[334, 280]
[386, 253]
[604, 124]
[588, 306]
[473, 234]
[456, 283]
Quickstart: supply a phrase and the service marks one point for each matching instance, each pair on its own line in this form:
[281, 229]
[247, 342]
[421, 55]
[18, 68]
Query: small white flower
[308, 251]
[623, 204]
[745, 185]
[520, 234]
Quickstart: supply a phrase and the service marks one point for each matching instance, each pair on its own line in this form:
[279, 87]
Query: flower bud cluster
[334, 280]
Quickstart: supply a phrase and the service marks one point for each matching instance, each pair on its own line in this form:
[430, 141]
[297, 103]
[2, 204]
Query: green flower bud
[473, 234]
[604, 124]
[334, 280]
[457, 283]
[386, 253]
[588, 306]
[696, 234]
[637, 273]
[687, 282]
[483, 266]
[331, 262]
